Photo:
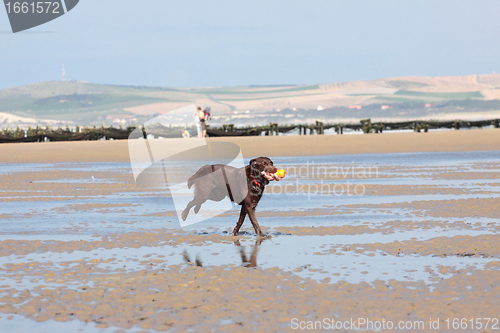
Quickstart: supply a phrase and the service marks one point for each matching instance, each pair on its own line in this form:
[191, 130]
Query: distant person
[207, 112]
[186, 134]
[201, 116]
[197, 122]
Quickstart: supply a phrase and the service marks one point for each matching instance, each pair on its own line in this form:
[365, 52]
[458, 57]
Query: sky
[238, 43]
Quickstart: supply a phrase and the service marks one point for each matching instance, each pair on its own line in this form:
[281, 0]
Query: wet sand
[83, 248]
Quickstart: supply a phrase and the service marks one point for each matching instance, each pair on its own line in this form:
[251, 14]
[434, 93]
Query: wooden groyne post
[320, 129]
[366, 125]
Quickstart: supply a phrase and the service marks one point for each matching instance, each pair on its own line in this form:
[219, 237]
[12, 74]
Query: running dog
[244, 186]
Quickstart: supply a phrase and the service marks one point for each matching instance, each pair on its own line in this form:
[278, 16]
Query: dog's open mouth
[270, 176]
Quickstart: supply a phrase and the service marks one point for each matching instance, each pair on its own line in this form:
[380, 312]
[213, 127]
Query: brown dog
[244, 186]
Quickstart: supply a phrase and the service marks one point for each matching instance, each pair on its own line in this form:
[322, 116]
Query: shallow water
[71, 202]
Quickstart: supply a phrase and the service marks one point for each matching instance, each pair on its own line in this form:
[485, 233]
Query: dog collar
[256, 182]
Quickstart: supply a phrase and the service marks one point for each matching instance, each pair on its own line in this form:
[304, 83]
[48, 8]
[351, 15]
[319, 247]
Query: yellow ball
[281, 173]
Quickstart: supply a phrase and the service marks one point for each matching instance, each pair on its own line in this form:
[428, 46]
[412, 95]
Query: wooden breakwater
[365, 125]
[83, 133]
[39, 134]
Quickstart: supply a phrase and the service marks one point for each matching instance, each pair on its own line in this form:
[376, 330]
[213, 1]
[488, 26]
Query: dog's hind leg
[243, 213]
[201, 194]
[185, 212]
[193, 203]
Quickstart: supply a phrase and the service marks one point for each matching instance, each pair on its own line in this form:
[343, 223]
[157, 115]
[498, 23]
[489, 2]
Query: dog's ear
[255, 166]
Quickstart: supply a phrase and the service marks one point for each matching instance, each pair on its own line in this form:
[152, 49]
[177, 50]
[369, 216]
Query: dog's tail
[191, 180]
[200, 173]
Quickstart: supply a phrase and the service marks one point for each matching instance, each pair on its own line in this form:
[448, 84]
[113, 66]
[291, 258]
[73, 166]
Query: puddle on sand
[306, 256]
[18, 323]
[45, 237]
[303, 255]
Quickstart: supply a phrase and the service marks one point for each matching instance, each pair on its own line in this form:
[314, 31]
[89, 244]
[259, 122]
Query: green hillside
[79, 101]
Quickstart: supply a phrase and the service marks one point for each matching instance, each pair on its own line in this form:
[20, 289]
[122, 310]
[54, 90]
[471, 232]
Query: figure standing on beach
[198, 125]
[201, 116]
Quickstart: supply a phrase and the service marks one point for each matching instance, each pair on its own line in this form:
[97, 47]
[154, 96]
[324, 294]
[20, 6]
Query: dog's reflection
[187, 259]
[245, 261]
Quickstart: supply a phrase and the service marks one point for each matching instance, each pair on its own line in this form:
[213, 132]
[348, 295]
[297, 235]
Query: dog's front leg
[243, 213]
[253, 219]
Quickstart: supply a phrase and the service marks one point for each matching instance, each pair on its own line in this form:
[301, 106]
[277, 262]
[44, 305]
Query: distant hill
[86, 103]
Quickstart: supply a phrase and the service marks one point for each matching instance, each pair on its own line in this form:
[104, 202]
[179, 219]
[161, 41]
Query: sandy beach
[393, 229]
[307, 145]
